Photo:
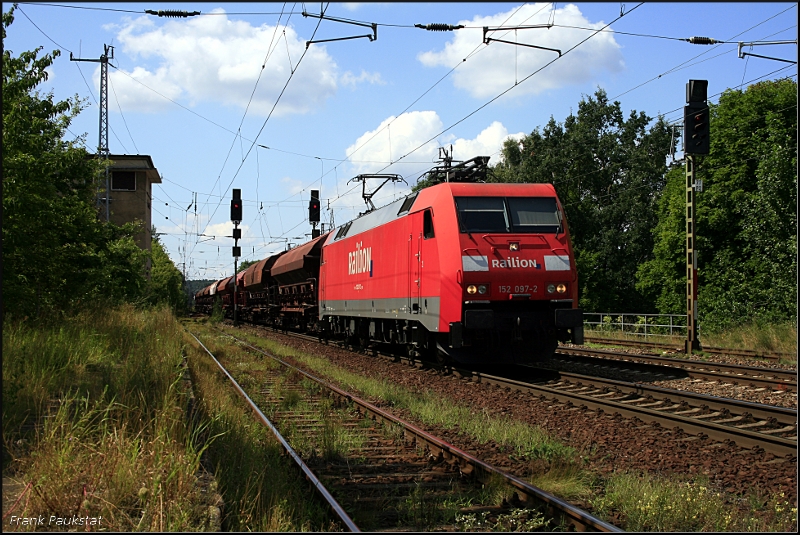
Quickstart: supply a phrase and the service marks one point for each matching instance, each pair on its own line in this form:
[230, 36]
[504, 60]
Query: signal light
[236, 205]
[313, 207]
[236, 210]
[696, 128]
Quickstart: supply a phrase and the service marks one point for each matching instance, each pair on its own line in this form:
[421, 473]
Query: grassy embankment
[778, 337]
[95, 423]
[641, 501]
[96, 426]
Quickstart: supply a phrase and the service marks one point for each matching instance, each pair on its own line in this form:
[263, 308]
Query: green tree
[746, 215]
[56, 253]
[662, 279]
[166, 281]
[608, 172]
[246, 264]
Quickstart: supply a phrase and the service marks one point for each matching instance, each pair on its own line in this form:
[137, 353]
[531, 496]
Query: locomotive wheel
[442, 358]
[544, 349]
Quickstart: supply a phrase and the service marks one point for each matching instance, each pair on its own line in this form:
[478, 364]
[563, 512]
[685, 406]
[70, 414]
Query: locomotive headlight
[551, 288]
[482, 289]
[562, 288]
[471, 289]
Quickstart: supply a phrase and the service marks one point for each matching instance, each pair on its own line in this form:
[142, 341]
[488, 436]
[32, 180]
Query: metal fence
[636, 324]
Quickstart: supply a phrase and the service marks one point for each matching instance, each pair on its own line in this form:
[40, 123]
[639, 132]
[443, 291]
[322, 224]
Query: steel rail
[782, 415]
[754, 375]
[309, 474]
[468, 464]
[742, 437]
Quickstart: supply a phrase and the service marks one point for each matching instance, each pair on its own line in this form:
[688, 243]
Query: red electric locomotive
[460, 270]
[472, 272]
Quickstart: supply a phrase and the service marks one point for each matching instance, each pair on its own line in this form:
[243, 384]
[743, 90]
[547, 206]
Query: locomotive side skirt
[391, 308]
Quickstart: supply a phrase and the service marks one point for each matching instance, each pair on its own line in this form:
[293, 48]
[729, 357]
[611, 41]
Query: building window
[123, 180]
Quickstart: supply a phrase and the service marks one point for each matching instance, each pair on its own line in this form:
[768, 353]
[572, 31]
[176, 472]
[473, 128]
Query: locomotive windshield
[537, 215]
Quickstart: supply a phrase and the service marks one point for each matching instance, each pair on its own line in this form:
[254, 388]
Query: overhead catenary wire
[268, 116]
[681, 65]
[477, 49]
[116, 99]
[513, 86]
[406, 161]
[270, 51]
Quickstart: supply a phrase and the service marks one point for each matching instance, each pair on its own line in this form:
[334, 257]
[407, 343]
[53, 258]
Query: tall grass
[768, 337]
[94, 413]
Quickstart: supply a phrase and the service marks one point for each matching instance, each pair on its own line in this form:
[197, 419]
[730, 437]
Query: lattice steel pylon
[102, 142]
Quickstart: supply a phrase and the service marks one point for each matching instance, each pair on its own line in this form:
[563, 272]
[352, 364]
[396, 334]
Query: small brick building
[132, 177]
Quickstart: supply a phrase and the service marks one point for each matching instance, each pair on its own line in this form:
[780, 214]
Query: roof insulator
[172, 13]
[703, 41]
[437, 27]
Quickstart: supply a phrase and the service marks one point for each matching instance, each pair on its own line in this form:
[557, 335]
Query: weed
[646, 503]
[420, 510]
[516, 520]
[110, 436]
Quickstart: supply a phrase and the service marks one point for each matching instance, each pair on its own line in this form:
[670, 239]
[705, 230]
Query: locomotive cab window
[534, 215]
[482, 214]
[427, 225]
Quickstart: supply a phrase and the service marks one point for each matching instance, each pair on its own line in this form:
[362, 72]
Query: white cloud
[487, 143]
[408, 131]
[292, 185]
[349, 79]
[397, 136]
[50, 74]
[351, 6]
[499, 65]
[393, 138]
[222, 230]
[219, 60]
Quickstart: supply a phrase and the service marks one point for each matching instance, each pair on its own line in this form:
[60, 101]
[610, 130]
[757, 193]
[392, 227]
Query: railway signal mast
[695, 141]
[236, 217]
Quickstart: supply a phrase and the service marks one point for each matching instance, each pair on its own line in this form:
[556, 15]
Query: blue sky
[201, 95]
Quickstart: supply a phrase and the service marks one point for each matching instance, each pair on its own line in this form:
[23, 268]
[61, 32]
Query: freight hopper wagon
[471, 272]
[296, 273]
[260, 292]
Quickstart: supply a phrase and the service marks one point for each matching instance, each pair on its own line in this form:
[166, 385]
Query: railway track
[757, 377]
[747, 424]
[397, 473]
[679, 348]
